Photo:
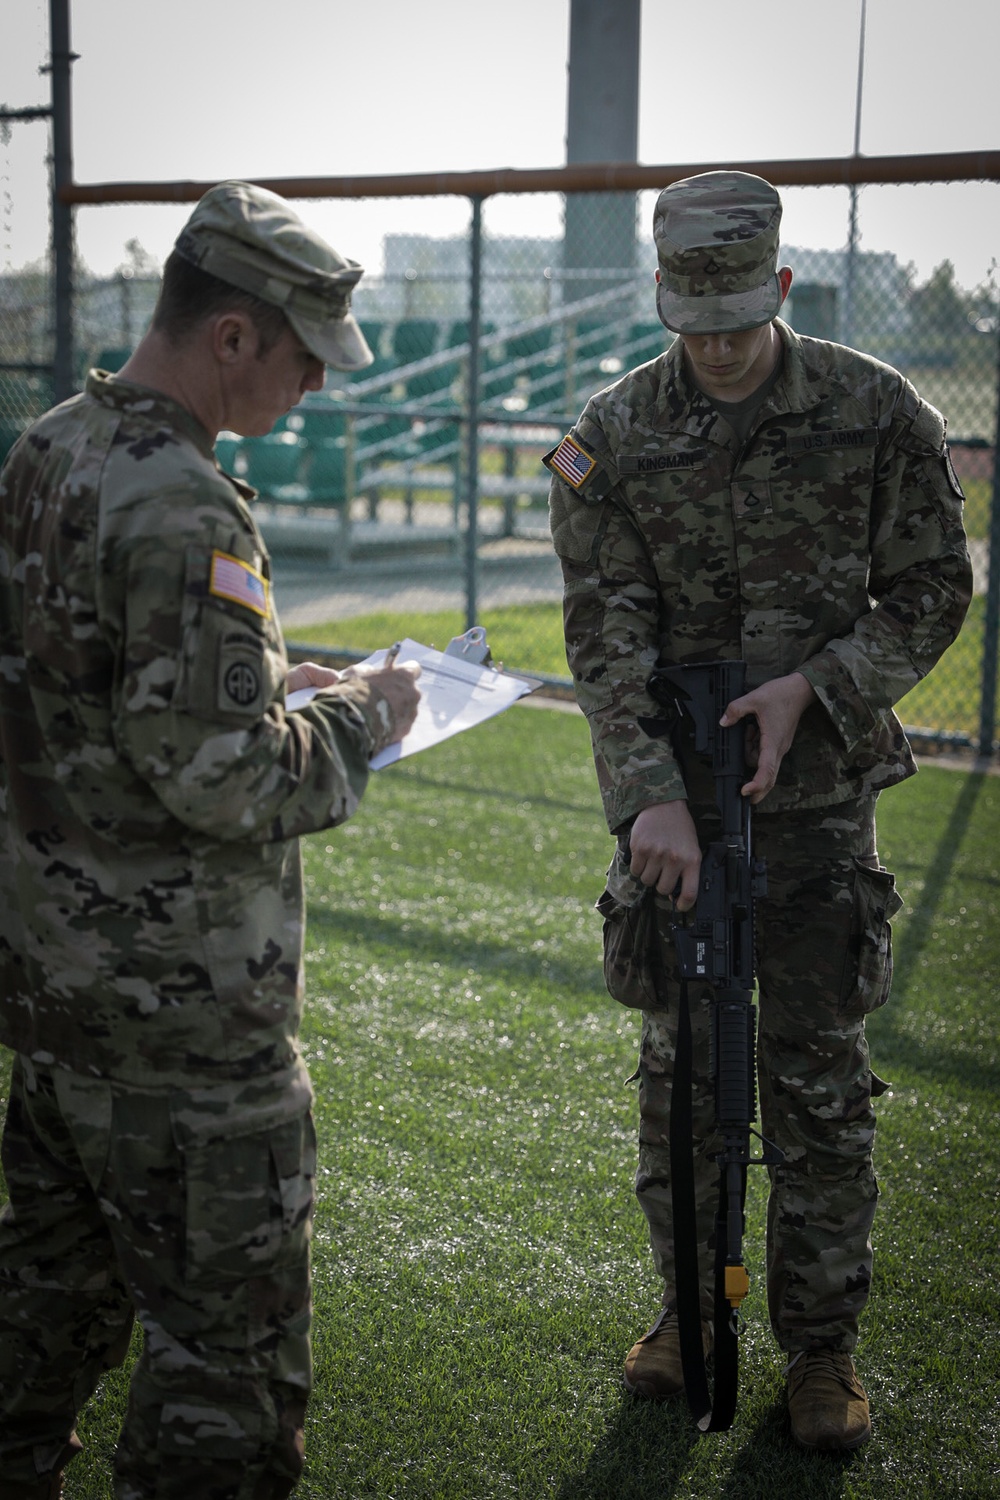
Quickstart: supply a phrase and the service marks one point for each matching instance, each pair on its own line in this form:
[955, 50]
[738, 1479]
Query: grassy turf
[529, 638]
[481, 1267]
[524, 637]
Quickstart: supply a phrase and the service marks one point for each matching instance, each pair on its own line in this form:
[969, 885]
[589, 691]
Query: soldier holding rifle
[758, 496]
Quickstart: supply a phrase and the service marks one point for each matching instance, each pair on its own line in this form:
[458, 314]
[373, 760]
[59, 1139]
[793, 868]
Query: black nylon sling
[711, 1413]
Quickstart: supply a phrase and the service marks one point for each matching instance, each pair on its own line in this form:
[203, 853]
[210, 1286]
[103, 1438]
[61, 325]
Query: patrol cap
[717, 243]
[256, 241]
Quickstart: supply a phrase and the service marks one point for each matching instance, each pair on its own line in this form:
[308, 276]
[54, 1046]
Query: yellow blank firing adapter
[737, 1285]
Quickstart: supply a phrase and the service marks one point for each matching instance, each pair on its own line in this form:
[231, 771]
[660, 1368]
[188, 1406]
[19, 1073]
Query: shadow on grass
[888, 1031]
[357, 931]
[453, 788]
[770, 1466]
[648, 1453]
[641, 1456]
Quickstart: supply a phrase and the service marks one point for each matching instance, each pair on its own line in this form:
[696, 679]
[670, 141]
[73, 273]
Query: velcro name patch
[233, 579]
[660, 463]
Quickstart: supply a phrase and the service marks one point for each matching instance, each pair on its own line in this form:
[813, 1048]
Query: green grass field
[481, 1266]
[529, 638]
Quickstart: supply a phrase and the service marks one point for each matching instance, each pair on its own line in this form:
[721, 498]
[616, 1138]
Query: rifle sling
[710, 1415]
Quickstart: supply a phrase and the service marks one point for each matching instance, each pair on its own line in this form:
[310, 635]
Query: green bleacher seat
[316, 421]
[646, 341]
[432, 382]
[373, 331]
[458, 333]
[435, 437]
[524, 345]
[325, 471]
[273, 465]
[414, 338]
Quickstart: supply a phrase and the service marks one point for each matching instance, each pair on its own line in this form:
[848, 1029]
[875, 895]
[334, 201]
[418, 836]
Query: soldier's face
[730, 366]
[267, 386]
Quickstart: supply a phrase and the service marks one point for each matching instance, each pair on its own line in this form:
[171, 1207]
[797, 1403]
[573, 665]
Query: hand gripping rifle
[715, 945]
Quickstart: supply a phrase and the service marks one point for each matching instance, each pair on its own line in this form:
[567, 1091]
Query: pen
[392, 653]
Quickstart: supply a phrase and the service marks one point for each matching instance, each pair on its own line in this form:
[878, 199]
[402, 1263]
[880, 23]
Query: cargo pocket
[868, 970]
[633, 952]
[248, 1186]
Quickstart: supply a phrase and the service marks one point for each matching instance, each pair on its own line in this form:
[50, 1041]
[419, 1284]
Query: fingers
[687, 894]
[777, 707]
[665, 853]
[398, 686]
[310, 674]
[762, 783]
[735, 711]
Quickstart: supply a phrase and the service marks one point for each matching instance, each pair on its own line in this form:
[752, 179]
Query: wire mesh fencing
[416, 485]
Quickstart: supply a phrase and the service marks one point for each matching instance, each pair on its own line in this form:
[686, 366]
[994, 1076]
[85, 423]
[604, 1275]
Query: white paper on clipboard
[454, 695]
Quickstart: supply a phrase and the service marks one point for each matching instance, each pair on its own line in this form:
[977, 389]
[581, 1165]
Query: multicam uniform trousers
[191, 1212]
[824, 961]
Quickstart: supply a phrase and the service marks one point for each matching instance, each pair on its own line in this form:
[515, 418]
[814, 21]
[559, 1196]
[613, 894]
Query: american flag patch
[236, 580]
[572, 462]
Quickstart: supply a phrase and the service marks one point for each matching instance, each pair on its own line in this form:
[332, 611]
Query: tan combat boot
[826, 1401]
[653, 1365]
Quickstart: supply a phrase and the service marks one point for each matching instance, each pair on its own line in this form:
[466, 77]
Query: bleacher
[397, 431]
[393, 438]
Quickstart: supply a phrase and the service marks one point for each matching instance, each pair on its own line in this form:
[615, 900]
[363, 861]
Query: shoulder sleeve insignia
[233, 579]
[571, 462]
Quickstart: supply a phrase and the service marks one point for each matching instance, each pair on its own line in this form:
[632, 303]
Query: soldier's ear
[232, 335]
[785, 280]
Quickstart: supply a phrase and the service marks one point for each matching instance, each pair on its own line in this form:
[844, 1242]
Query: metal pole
[472, 417]
[991, 631]
[852, 234]
[600, 177]
[63, 383]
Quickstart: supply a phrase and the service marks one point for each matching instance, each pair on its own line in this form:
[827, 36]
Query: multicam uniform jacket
[830, 542]
[151, 784]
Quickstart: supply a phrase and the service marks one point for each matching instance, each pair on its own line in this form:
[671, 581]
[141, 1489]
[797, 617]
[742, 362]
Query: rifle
[715, 945]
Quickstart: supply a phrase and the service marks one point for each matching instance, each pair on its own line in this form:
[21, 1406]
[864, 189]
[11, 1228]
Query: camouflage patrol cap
[256, 241]
[717, 242]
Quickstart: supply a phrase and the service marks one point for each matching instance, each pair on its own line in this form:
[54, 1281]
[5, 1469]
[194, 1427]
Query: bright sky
[207, 89]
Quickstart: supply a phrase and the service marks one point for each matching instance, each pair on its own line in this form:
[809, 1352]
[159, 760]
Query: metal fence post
[472, 417]
[63, 383]
[991, 632]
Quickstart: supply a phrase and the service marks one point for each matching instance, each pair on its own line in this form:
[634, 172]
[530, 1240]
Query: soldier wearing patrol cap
[754, 494]
[158, 1146]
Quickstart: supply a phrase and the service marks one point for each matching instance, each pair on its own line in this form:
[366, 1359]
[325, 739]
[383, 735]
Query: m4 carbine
[715, 946]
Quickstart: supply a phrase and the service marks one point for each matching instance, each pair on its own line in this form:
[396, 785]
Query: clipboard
[456, 694]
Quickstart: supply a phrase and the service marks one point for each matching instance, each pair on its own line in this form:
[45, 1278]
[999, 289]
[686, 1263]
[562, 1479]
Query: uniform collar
[152, 406]
[794, 390]
[681, 403]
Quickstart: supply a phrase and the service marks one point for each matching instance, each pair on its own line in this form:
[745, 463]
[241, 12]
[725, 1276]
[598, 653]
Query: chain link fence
[416, 487]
